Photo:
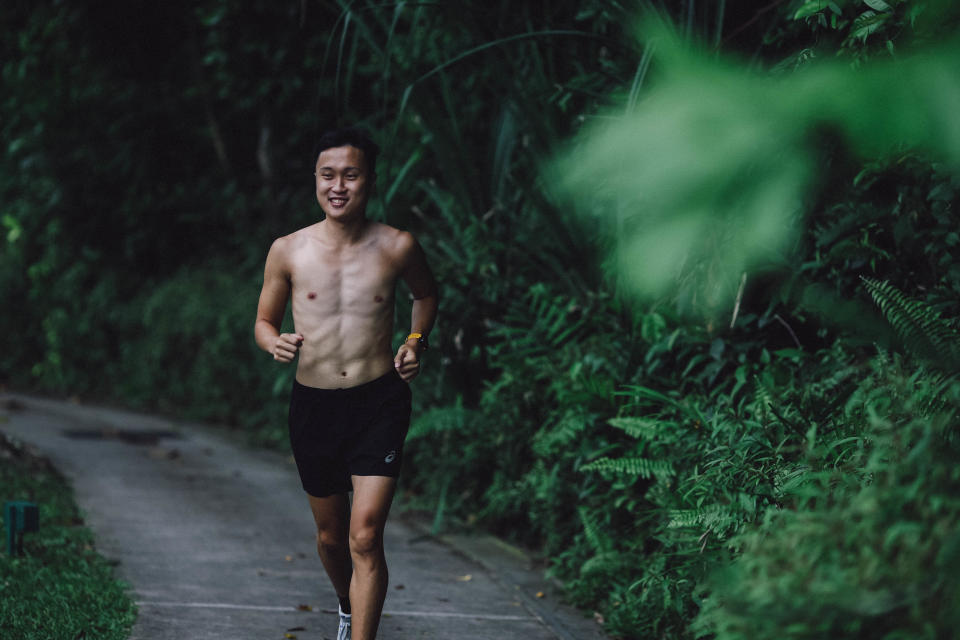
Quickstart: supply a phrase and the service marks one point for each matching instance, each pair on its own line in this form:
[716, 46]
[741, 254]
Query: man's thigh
[372, 497]
[331, 514]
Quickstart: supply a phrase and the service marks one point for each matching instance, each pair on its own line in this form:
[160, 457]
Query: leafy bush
[870, 547]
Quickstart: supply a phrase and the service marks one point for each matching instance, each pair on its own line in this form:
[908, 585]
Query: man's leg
[372, 496]
[332, 515]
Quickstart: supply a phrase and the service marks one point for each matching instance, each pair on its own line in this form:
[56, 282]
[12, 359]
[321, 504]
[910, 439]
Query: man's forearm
[265, 335]
[423, 314]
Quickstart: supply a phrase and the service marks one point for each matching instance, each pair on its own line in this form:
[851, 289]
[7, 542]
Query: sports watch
[421, 340]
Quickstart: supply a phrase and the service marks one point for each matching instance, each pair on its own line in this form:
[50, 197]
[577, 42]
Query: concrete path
[217, 541]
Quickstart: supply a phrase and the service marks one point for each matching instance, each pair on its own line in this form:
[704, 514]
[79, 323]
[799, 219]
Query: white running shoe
[343, 633]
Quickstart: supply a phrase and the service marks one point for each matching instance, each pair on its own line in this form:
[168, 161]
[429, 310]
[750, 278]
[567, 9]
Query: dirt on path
[217, 541]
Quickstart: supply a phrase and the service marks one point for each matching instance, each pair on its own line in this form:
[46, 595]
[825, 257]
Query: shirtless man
[350, 405]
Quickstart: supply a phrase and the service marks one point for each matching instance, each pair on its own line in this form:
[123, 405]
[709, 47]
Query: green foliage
[872, 558]
[437, 439]
[60, 587]
[642, 467]
[708, 173]
[921, 328]
[648, 447]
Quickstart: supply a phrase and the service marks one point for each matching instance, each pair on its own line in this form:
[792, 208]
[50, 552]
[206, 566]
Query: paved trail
[217, 541]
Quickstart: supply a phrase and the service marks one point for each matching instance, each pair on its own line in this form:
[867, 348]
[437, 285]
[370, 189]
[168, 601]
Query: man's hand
[286, 347]
[407, 362]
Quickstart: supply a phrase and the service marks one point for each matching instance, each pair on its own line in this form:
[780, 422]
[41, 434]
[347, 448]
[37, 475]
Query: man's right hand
[286, 347]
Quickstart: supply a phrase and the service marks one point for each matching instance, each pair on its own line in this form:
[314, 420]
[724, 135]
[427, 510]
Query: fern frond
[562, 433]
[440, 419]
[717, 517]
[921, 328]
[635, 427]
[643, 467]
[597, 540]
[602, 563]
[764, 398]
[541, 322]
[682, 518]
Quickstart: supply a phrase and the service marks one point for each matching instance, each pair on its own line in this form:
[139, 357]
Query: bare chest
[354, 281]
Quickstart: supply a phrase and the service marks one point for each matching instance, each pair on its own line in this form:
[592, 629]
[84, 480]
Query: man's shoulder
[391, 238]
[292, 240]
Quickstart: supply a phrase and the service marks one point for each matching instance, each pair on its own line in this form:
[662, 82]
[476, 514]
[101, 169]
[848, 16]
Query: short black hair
[354, 137]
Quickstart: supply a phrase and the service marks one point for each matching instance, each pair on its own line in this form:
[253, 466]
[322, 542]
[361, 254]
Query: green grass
[60, 588]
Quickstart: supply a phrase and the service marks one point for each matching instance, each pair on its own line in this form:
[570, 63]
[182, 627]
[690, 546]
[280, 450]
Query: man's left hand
[407, 361]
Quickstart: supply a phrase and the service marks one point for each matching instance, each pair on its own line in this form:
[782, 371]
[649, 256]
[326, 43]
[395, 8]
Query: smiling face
[343, 182]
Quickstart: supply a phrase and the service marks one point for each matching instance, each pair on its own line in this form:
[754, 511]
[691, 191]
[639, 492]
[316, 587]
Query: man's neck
[343, 232]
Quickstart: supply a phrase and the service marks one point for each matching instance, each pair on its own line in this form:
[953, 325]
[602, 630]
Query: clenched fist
[286, 347]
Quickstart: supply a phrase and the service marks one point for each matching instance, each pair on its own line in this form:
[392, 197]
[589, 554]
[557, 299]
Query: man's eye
[326, 176]
[352, 176]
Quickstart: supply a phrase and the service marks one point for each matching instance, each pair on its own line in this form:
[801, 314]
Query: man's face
[343, 182]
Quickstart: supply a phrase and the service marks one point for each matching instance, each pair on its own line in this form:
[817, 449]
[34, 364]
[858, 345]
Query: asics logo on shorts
[391, 456]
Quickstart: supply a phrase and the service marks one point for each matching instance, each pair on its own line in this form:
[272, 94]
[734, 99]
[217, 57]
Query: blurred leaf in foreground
[709, 174]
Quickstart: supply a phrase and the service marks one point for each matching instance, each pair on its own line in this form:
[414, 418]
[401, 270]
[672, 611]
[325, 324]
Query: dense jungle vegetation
[698, 338]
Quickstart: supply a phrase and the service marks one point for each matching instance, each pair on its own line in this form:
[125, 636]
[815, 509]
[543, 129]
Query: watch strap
[420, 338]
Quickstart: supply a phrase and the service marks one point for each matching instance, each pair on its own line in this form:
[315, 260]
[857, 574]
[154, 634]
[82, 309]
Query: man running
[350, 404]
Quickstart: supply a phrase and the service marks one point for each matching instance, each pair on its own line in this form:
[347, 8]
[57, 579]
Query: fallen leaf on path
[289, 558]
[162, 453]
[304, 607]
[290, 635]
[541, 594]
[399, 587]
[466, 578]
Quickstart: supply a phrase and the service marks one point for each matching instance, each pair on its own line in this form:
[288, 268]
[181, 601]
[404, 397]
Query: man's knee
[330, 541]
[366, 541]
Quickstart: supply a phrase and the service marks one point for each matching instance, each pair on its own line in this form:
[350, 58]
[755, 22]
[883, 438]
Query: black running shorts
[339, 433]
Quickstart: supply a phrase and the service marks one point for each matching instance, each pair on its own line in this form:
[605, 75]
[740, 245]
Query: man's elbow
[429, 297]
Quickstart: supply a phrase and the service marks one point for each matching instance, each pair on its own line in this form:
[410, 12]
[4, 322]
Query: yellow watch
[421, 339]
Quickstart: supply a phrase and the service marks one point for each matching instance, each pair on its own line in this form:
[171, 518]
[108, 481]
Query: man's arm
[423, 286]
[273, 303]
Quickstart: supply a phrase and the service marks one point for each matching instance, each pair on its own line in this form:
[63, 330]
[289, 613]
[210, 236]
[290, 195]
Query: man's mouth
[338, 202]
